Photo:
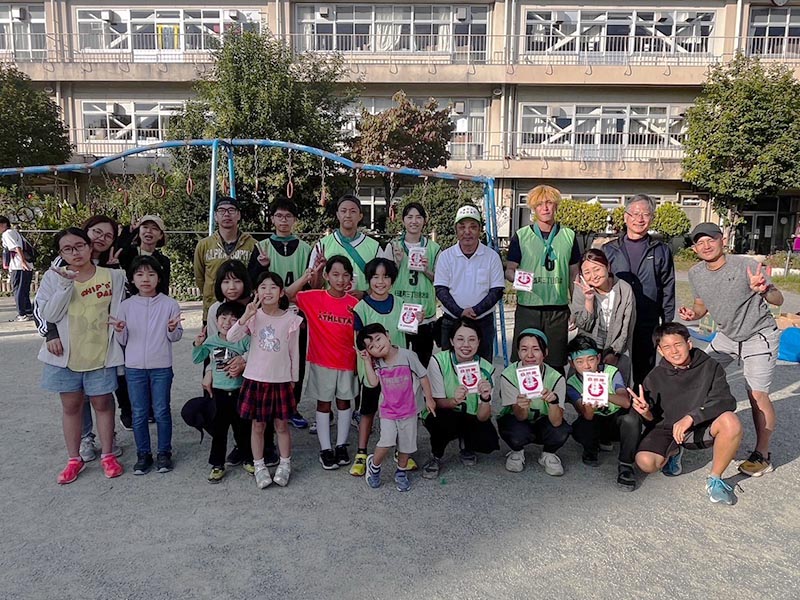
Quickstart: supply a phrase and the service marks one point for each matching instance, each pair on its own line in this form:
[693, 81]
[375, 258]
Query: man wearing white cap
[469, 281]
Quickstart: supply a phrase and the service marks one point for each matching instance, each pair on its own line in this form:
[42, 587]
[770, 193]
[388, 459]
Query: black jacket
[700, 391]
[653, 280]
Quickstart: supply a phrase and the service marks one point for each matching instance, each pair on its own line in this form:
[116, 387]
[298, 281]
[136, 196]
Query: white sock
[324, 430]
[286, 461]
[259, 464]
[343, 425]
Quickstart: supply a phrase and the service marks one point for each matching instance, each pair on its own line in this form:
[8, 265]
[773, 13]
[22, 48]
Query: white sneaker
[515, 461]
[116, 449]
[263, 478]
[552, 464]
[88, 449]
[282, 474]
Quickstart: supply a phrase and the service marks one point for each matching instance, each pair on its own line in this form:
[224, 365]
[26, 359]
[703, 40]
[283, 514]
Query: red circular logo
[469, 379]
[409, 317]
[524, 278]
[595, 389]
[530, 383]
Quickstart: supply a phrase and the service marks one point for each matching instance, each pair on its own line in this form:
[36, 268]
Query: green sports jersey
[413, 287]
[369, 315]
[539, 408]
[288, 267]
[447, 365]
[365, 247]
[550, 286]
[576, 383]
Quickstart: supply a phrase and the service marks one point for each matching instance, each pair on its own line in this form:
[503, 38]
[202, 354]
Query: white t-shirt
[11, 240]
[469, 279]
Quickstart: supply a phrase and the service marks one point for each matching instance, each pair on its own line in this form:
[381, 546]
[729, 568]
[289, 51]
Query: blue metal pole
[231, 173]
[212, 196]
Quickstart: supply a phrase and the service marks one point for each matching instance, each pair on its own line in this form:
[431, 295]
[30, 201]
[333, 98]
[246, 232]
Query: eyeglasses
[99, 234]
[76, 249]
[283, 216]
[639, 215]
[227, 211]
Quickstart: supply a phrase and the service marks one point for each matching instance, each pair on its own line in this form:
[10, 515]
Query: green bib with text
[539, 408]
[577, 383]
[550, 286]
[412, 287]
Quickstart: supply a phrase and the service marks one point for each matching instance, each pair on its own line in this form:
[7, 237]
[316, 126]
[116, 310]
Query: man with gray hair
[646, 264]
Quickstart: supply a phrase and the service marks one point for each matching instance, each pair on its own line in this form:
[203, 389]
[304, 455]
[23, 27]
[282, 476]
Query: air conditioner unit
[19, 14]
[461, 13]
[232, 15]
[107, 16]
[324, 11]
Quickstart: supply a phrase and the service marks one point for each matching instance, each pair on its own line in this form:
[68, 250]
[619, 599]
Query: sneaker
[359, 465]
[552, 464]
[313, 428]
[144, 462]
[272, 458]
[164, 462]
[719, 491]
[411, 465]
[282, 474]
[89, 448]
[116, 449]
[263, 478]
[515, 461]
[590, 459]
[23, 318]
[401, 482]
[216, 475]
[298, 422]
[126, 421]
[606, 447]
[71, 471]
[342, 456]
[373, 474]
[674, 466]
[467, 458]
[430, 469]
[111, 466]
[626, 479]
[249, 467]
[235, 457]
[328, 460]
[755, 466]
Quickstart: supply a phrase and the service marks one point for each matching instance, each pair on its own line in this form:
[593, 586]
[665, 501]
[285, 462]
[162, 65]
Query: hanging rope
[290, 183]
[255, 169]
[392, 203]
[323, 192]
[358, 181]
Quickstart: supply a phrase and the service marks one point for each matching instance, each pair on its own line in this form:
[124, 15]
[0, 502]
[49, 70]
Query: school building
[587, 96]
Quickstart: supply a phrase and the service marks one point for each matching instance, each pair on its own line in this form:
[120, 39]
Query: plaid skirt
[261, 401]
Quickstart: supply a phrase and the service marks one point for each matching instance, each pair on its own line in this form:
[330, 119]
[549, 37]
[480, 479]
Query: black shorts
[369, 399]
[659, 440]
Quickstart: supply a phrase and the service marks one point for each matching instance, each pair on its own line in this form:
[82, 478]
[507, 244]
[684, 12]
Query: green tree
[32, 132]
[743, 138]
[405, 135]
[618, 218]
[584, 218]
[670, 221]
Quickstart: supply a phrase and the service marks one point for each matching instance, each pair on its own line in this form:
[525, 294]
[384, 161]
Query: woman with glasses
[78, 298]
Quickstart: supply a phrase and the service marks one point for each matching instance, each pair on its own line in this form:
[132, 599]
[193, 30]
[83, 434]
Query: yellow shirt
[88, 322]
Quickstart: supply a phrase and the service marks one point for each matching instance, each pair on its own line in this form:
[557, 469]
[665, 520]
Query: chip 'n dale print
[267, 340]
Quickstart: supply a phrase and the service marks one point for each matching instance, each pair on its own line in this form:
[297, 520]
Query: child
[596, 427]
[225, 388]
[533, 420]
[688, 404]
[377, 306]
[331, 354]
[398, 372]
[271, 373]
[147, 324]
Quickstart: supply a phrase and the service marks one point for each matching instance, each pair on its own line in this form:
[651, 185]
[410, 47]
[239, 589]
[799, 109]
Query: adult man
[226, 243]
[20, 269]
[348, 241]
[469, 281]
[735, 291]
[549, 254]
[646, 264]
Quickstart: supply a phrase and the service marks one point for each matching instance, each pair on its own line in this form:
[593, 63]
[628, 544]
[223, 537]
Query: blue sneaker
[401, 481]
[373, 474]
[719, 491]
[298, 421]
[674, 467]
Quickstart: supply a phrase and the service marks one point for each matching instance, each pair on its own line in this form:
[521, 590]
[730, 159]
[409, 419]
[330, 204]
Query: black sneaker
[328, 460]
[626, 479]
[468, 458]
[590, 458]
[235, 457]
[164, 462]
[126, 421]
[144, 462]
[342, 456]
[271, 457]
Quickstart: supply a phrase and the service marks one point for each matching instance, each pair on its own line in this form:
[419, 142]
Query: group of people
[350, 324]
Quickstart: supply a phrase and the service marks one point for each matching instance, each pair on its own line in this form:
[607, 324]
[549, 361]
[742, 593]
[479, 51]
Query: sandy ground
[477, 532]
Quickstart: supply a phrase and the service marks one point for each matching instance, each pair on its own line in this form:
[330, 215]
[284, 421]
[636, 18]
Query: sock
[286, 461]
[259, 464]
[373, 468]
[75, 459]
[324, 430]
[102, 456]
[362, 451]
[343, 425]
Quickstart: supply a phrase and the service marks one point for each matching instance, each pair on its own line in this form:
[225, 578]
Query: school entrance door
[756, 233]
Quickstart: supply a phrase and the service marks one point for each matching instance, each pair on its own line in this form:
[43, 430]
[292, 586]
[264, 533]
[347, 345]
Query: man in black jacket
[646, 264]
[686, 403]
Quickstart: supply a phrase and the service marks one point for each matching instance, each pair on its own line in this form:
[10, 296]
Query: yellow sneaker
[359, 466]
[756, 465]
[411, 465]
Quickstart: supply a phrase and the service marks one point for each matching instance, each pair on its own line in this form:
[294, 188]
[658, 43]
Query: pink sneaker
[71, 471]
[111, 466]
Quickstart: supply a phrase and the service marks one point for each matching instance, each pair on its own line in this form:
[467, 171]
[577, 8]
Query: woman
[78, 299]
[147, 236]
[460, 414]
[415, 285]
[604, 308]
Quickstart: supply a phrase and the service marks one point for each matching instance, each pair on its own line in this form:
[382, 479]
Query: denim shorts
[93, 383]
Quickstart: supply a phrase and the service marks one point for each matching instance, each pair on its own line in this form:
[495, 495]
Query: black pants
[622, 426]
[486, 326]
[518, 434]
[228, 417]
[123, 400]
[643, 351]
[21, 284]
[449, 425]
[422, 343]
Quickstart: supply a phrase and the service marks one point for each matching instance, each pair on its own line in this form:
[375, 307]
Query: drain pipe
[737, 46]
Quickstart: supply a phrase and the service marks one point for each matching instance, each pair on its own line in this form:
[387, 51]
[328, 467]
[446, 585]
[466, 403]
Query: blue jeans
[148, 387]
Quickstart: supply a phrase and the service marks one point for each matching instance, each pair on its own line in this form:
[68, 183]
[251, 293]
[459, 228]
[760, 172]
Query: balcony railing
[103, 141]
[582, 147]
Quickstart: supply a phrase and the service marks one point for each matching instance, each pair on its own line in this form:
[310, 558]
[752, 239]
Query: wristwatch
[487, 400]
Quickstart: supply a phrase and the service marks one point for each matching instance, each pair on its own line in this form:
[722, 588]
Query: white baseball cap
[468, 212]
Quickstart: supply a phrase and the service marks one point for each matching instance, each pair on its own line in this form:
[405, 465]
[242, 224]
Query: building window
[134, 123]
[22, 31]
[774, 32]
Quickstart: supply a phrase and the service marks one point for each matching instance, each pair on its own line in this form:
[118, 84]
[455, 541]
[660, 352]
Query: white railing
[101, 141]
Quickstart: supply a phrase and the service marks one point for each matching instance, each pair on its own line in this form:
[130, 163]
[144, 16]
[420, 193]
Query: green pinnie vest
[413, 287]
[550, 287]
[539, 408]
[367, 249]
[447, 365]
[288, 267]
[369, 315]
[576, 382]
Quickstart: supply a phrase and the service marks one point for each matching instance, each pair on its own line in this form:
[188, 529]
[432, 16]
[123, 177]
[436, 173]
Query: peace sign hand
[758, 280]
[113, 257]
[172, 324]
[263, 257]
[640, 404]
[251, 310]
[201, 337]
[588, 291]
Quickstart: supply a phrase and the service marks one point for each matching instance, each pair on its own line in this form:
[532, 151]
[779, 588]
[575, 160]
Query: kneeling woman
[459, 414]
[527, 420]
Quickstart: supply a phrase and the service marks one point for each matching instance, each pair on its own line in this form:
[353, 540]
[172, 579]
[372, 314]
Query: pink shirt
[274, 346]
